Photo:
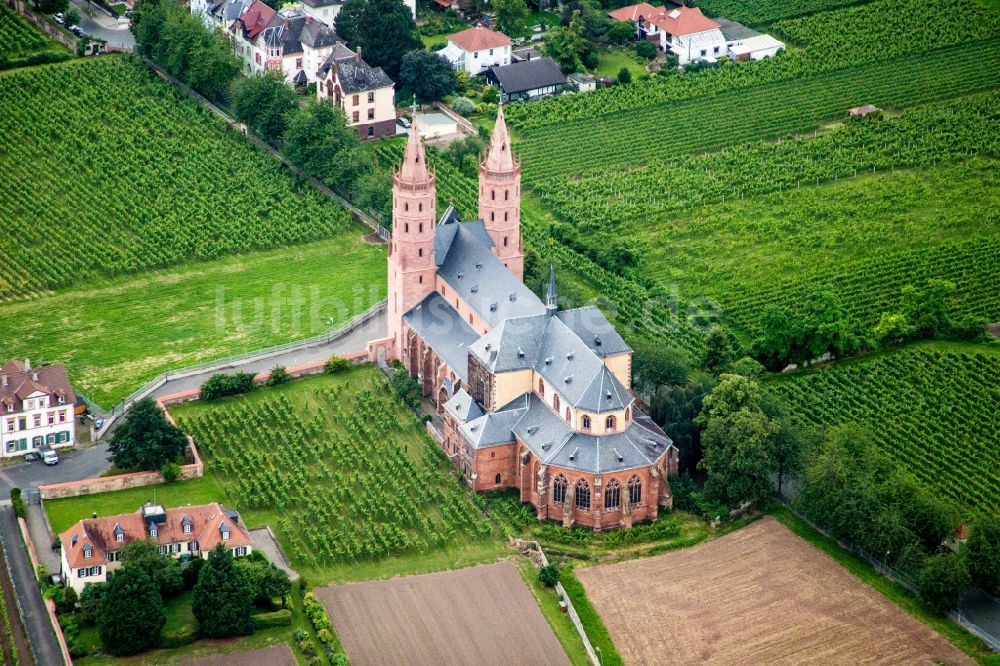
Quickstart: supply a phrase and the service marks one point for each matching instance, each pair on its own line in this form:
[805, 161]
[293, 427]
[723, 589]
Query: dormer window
[119, 537]
[88, 552]
[62, 400]
[225, 531]
[187, 529]
[152, 531]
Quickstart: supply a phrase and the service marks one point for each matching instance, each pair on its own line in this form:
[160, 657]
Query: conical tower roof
[414, 169]
[500, 157]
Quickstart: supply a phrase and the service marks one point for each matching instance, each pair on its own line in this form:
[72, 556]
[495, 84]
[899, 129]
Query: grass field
[757, 595]
[612, 62]
[348, 479]
[150, 181]
[116, 334]
[932, 408]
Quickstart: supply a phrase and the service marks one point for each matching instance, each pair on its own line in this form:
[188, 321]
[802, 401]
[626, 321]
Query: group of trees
[927, 312]
[384, 30]
[427, 75]
[145, 439]
[128, 610]
[169, 34]
[584, 30]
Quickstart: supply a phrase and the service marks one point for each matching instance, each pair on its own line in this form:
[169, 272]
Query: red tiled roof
[17, 383]
[479, 39]
[254, 20]
[683, 21]
[635, 12]
[206, 521]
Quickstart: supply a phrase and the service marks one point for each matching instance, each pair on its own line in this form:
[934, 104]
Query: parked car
[50, 457]
[76, 30]
[58, 18]
[32, 456]
[405, 122]
[128, 14]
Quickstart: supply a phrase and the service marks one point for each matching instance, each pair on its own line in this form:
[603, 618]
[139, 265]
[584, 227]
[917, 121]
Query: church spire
[551, 297]
[414, 167]
[500, 157]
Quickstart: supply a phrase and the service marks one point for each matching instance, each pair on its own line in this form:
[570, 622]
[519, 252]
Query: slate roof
[492, 429]
[316, 34]
[286, 34]
[463, 407]
[17, 382]
[593, 328]
[355, 75]
[444, 331]
[206, 523]
[528, 75]
[733, 31]
[470, 269]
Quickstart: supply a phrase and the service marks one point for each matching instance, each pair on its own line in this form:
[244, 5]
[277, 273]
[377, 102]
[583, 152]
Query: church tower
[411, 249]
[500, 198]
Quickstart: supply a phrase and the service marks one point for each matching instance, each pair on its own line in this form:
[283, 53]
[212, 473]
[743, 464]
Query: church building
[532, 397]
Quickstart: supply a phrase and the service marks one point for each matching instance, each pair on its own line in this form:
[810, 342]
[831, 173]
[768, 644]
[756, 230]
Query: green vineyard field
[934, 410]
[340, 468]
[17, 36]
[107, 170]
[762, 12]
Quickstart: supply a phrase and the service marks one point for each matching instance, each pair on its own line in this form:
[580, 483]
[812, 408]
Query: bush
[218, 386]
[170, 471]
[179, 637]
[491, 95]
[336, 364]
[645, 50]
[463, 106]
[325, 636]
[316, 613]
[278, 618]
[279, 375]
[942, 581]
[17, 501]
[90, 602]
[548, 575]
[189, 573]
[624, 75]
[67, 600]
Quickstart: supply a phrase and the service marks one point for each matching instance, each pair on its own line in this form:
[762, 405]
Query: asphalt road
[73, 466]
[36, 617]
[105, 27]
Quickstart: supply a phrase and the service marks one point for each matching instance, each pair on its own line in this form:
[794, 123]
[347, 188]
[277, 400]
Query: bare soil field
[760, 595]
[276, 655]
[479, 615]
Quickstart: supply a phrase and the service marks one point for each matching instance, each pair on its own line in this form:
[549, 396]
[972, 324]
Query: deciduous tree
[145, 440]
[982, 549]
[263, 102]
[427, 75]
[161, 569]
[384, 29]
[320, 142]
[510, 15]
[942, 580]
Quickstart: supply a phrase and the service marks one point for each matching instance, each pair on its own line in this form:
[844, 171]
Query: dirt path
[276, 655]
[481, 615]
[760, 595]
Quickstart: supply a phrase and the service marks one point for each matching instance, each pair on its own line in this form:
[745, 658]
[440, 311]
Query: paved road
[105, 27]
[354, 341]
[73, 466]
[36, 617]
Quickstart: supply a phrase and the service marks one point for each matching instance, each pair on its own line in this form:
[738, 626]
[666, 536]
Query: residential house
[36, 408]
[477, 49]
[92, 547]
[682, 31]
[529, 79]
[364, 93]
[300, 43]
[745, 43]
[219, 14]
[581, 82]
[245, 30]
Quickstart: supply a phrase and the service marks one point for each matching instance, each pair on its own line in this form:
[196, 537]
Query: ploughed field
[345, 475]
[479, 615]
[760, 595]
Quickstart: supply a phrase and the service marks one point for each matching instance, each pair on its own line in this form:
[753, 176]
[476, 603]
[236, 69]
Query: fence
[233, 361]
[359, 215]
[992, 641]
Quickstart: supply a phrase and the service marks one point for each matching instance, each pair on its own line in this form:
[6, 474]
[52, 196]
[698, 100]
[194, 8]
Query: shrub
[325, 636]
[170, 471]
[66, 603]
[624, 75]
[645, 50]
[189, 573]
[90, 602]
[218, 386]
[548, 575]
[17, 501]
[179, 637]
[942, 581]
[278, 618]
[982, 552]
[336, 364]
[463, 106]
[41, 573]
[279, 375]
[491, 95]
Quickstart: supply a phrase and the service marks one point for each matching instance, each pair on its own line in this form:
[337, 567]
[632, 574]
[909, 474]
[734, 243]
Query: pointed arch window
[541, 387]
[628, 414]
[610, 422]
[420, 252]
[420, 227]
[559, 490]
[406, 227]
[505, 239]
[582, 500]
[634, 490]
[406, 206]
[505, 217]
[613, 495]
[569, 416]
[420, 209]
[586, 422]
[555, 402]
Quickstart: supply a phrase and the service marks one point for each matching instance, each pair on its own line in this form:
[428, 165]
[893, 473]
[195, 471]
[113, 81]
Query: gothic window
[493, 216]
[634, 490]
[569, 416]
[582, 495]
[555, 403]
[497, 479]
[505, 217]
[506, 195]
[420, 252]
[559, 489]
[613, 495]
[628, 415]
[420, 227]
[420, 279]
[406, 206]
[505, 241]
[420, 209]
[586, 422]
[541, 387]
[406, 227]
[493, 195]
[609, 423]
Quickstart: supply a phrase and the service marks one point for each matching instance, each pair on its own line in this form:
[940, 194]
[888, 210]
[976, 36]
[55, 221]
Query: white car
[76, 30]
[58, 18]
[50, 457]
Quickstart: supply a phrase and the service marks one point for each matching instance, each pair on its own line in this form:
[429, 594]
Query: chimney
[27, 364]
[357, 56]
[3, 380]
[34, 376]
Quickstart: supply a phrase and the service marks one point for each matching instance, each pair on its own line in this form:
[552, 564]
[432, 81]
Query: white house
[683, 31]
[327, 10]
[36, 408]
[477, 49]
[92, 547]
[300, 43]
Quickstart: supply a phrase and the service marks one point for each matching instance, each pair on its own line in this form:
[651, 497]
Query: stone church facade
[532, 397]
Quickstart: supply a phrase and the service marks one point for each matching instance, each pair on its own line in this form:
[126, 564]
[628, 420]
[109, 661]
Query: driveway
[105, 27]
[35, 615]
[73, 466]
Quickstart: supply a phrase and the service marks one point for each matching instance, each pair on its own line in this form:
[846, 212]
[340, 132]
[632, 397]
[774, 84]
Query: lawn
[63, 513]
[613, 60]
[347, 478]
[563, 627]
[430, 41]
[117, 334]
